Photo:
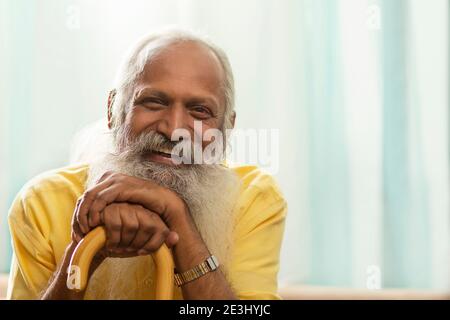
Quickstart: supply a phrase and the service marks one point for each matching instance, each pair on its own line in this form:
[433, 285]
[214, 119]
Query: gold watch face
[212, 262]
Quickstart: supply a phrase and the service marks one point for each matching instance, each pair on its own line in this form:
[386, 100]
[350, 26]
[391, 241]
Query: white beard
[210, 192]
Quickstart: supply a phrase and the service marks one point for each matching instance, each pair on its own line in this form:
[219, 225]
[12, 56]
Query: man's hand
[170, 208]
[133, 230]
[115, 187]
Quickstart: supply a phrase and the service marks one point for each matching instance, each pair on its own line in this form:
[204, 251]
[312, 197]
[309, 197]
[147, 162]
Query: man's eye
[201, 110]
[152, 101]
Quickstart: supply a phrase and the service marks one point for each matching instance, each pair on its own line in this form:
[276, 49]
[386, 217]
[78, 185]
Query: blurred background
[357, 88]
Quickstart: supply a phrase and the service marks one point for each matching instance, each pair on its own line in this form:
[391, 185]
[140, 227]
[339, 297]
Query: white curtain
[357, 88]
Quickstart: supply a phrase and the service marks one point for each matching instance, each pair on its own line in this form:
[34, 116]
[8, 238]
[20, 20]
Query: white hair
[210, 191]
[143, 52]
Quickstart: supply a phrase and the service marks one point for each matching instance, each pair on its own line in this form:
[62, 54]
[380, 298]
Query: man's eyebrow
[200, 99]
[152, 92]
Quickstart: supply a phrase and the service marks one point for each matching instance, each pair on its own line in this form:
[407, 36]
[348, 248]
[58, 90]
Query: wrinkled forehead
[185, 67]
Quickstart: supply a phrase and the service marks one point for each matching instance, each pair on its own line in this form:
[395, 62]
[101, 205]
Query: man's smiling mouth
[163, 156]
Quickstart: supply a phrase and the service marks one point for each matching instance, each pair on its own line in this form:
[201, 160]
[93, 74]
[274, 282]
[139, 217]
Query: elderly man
[233, 215]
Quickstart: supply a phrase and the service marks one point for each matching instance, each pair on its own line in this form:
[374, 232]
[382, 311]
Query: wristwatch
[196, 272]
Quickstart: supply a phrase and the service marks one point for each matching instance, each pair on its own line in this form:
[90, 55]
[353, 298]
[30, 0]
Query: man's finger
[152, 197]
[85, 203]
[158, 238]
[154, 243]
[130, 226]
[102, 199]
[75, 220]
[146, 229]
[94, 216]
[77, 235]
[113, 225]
[172, 239]
[105, 175]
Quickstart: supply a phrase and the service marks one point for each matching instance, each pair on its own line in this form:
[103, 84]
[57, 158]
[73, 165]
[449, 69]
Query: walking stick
[95, 240]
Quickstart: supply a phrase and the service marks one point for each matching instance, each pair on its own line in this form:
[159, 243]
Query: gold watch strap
[196, 272]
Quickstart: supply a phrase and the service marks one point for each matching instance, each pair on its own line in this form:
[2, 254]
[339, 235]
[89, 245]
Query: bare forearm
[191, 251]
[57, 288]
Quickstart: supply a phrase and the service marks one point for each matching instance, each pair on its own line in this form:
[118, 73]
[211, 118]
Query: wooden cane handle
[94, 241]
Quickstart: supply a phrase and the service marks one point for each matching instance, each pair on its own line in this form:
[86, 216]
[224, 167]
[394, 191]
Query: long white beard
[210, 192]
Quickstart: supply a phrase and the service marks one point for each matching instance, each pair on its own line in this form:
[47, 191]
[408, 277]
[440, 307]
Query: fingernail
[142, 252]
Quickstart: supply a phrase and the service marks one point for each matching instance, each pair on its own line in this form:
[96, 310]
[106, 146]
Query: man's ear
[111, 97]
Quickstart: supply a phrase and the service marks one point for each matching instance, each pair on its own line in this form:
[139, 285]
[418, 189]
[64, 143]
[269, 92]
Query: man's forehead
[186, 63]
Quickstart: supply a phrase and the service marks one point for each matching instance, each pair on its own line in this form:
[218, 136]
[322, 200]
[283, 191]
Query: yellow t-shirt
[40, 224]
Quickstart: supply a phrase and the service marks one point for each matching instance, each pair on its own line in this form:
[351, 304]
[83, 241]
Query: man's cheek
[140, 120]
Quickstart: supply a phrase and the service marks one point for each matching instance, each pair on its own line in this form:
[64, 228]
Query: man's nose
[175, 117]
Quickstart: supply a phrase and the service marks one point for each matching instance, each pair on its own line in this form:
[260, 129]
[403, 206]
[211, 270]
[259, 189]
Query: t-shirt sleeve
[33, 261]
[259, 232]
